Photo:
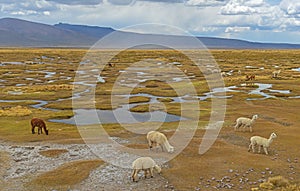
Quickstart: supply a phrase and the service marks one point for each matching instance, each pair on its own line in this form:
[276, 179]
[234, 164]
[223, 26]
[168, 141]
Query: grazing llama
[35, 122]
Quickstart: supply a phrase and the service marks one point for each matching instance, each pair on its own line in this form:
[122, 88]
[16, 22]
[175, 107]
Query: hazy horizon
[252, 20]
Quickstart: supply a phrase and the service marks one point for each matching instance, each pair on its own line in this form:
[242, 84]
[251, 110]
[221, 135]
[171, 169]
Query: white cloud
[237, 7]
[237, 18]
[291, 7]
[204, 2]
[254, 3]
[236, 29]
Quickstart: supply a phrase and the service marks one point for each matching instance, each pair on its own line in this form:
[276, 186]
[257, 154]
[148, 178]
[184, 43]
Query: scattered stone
[263, 172]
[230, 170]
[261, 180]
[29, 148]
[267, 169]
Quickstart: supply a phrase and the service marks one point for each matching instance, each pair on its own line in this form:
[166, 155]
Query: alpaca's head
[171, 149]
[157, 168]
[273, 135]
[255, 117]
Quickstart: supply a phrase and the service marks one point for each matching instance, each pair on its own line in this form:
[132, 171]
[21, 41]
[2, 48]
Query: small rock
[230, 170]
[267, 169]
[29, 148]
[261, 180]
[263, 172]
[288, 160]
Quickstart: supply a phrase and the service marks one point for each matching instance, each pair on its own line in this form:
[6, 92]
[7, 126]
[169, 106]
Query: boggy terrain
[56, 84]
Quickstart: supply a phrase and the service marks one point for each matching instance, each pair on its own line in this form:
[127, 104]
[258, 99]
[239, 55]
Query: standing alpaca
[35, 122]
[155, 137]
[261, 142]
[245, 122]
[146, 164]
[276, 73]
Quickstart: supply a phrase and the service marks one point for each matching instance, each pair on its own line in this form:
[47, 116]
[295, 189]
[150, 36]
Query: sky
[275, 21]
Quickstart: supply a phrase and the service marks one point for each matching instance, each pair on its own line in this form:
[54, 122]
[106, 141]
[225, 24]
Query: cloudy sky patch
[253, 20]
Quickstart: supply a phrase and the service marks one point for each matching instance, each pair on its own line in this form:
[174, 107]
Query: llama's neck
[253, 119]
[167, 145]
[270, 140]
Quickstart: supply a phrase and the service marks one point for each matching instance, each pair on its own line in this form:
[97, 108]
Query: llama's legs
[132, 175]
[32, 129]
[146, 173]
[135, 176]
[250, 128]
[266, 150]
[150, 143]
[249, 147]
[236, 126]
[253, 148]
[259, 148]
[151, 172]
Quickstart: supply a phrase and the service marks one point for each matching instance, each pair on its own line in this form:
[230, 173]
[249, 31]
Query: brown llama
[35, 122]
[250, 77]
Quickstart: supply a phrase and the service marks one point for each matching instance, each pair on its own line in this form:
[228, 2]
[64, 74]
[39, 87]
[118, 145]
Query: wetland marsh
[145, 88]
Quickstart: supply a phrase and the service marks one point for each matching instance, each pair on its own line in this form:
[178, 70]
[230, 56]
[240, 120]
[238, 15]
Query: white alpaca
[261, 142]
[276, 73]
[245, 122]
[155, 137]
[146, 164]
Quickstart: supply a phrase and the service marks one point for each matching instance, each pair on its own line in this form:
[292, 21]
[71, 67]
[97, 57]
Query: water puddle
[296, 69]
[120, 115]
[266, 87]
[11, 63]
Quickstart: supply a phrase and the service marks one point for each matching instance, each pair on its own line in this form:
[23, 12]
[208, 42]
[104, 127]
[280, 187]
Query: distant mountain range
[21, 33]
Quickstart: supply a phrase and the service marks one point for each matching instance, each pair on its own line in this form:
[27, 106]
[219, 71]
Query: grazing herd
[158, 139]
[254, 140]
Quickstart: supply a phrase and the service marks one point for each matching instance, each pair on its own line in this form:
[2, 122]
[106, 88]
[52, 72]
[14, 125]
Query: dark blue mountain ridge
[21, 33]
